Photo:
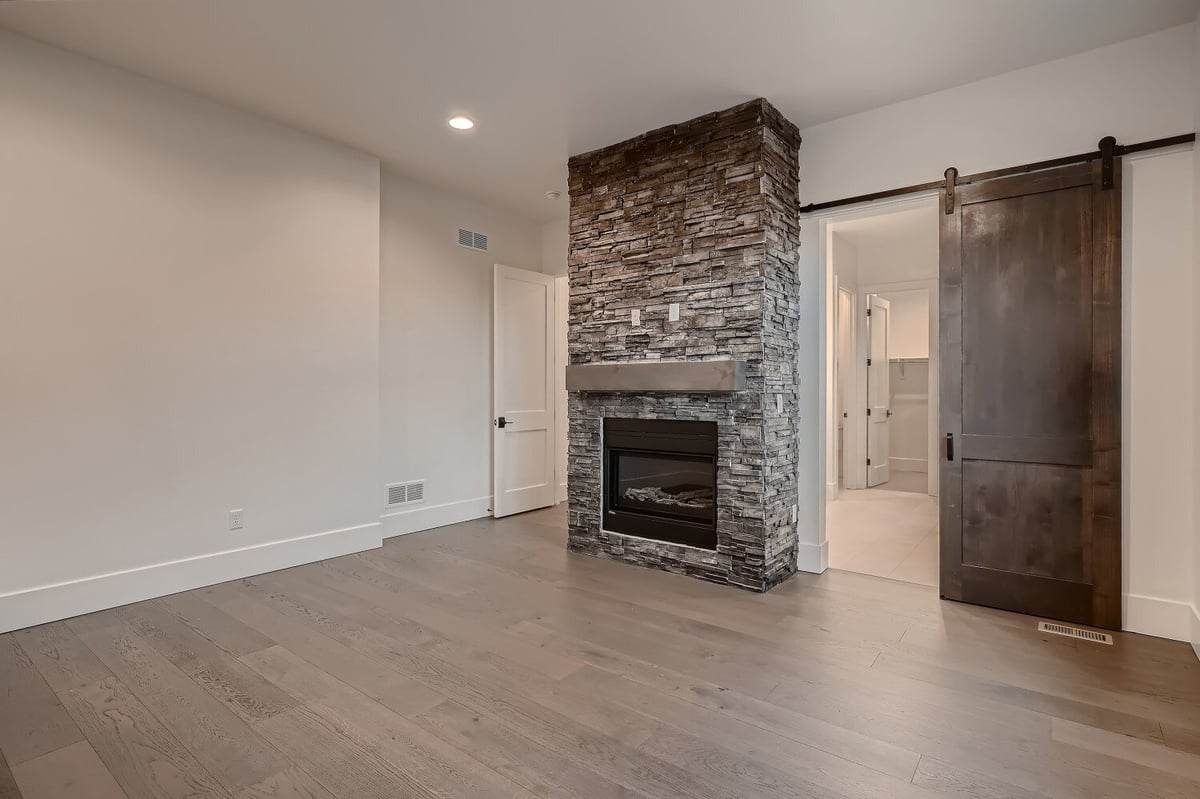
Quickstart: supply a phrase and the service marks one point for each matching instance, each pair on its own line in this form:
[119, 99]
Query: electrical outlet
[673, 312]
[235, 519]
[635, 318]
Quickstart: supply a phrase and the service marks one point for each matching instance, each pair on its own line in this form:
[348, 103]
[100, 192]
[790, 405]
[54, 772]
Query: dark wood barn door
[1030, 395]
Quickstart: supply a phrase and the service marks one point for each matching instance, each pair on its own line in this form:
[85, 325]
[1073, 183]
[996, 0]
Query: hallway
[885, 533]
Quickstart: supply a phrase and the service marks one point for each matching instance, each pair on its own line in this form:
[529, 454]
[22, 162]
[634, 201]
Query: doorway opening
[881, 443]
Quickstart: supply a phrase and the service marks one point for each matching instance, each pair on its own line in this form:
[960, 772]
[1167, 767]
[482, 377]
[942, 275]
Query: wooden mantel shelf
[658, 376]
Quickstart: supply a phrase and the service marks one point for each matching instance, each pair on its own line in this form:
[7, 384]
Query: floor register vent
[1075, 632]
[405, 493]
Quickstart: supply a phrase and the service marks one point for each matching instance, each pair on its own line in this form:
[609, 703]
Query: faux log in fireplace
[660, 480]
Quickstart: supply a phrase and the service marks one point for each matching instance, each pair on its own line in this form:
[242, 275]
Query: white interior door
[522, 391]
[878, 391]
[844, 374]
[562, 298]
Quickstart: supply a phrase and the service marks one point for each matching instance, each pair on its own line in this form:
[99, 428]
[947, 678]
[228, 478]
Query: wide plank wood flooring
[483, 660]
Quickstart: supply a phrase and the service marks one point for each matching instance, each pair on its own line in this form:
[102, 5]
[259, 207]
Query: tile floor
[885, 533]
[913, 482]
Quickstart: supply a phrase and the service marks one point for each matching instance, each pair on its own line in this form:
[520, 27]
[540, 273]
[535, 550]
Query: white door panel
[562, 310]
[523, 391]
[878, 391]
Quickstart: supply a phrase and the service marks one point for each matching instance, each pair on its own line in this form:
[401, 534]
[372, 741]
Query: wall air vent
[405, 493]
[1075, 632]
[469, 238]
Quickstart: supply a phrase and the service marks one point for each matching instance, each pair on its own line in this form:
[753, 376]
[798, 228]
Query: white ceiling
[549, 78]
[894, 245]
[890, 228]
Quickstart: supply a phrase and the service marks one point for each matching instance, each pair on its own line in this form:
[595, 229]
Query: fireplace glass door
[663, 485]
[660, 480]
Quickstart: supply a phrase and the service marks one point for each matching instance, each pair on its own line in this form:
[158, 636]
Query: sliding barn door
[1030, 395]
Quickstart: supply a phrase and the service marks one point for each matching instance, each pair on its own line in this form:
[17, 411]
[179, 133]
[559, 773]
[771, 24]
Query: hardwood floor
[483, 660]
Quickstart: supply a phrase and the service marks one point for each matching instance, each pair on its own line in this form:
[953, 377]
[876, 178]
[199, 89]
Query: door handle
[889, 413]
[949, 446]
[501, 422]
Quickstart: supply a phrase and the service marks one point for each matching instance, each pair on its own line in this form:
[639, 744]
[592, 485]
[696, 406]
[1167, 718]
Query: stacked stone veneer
[703, 214]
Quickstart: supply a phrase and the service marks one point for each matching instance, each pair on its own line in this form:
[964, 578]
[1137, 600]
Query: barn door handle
[949, 446]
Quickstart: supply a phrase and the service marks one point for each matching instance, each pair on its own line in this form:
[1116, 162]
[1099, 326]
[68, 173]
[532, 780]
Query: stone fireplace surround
[703, 214]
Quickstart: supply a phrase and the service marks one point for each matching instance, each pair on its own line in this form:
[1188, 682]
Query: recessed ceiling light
[553, 195]
[462, 123]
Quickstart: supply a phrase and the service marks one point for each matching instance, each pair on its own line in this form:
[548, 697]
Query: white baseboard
[26, 608]
[813, 558]
[908, 464]
[1195, 636]
[561, 495]
[430, 516]
[831, 491]
[1162, 618]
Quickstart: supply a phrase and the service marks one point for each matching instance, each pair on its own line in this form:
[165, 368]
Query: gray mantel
[654, 376]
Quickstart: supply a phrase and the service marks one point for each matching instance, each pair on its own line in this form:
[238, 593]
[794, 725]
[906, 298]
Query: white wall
[1136, 90]
[845, 261]
[908, 323]
[905, 260]
[188, 324]
[1159, 478]
[1195, 633]
[561, 310]
[556, 239]
[908, 429]
[436, 342]
[556, 242]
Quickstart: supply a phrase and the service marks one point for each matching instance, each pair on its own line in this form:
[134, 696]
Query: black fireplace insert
[660, 480]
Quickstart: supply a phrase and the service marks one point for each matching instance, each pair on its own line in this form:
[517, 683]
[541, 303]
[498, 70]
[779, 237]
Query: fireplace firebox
[660, 480]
